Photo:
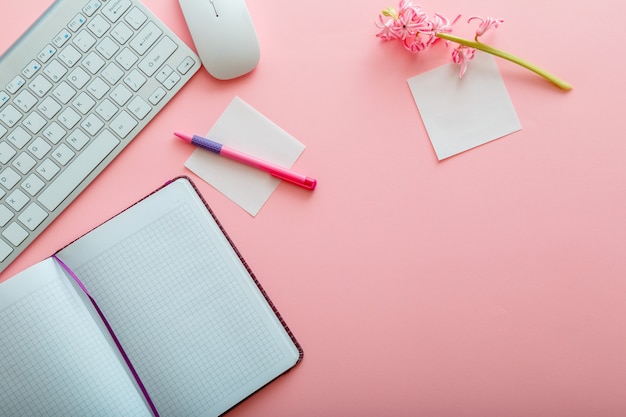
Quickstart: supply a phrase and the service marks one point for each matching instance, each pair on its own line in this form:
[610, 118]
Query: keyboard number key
[40, 85]
[84, 41]
[55, 70]
[70, 56]
[10, 115]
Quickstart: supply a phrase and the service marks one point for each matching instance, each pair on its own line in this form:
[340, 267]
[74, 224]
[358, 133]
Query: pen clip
[308, 183]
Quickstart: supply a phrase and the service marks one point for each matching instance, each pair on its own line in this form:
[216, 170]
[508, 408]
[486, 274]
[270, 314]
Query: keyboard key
[5, 251]
[70, 56]
[63, 154]
[98, 26]
[139, 107]
[93, 62]
[146, 38]
[84, 41]
[48, 169]
[62, 37]
[186, 65]
[106, 109]
[83, 103]
[121, 95]
[79, 77]
[32, 216]
[24, 163]
[46, 53]
[19, 137]
[135, 18]
[25, 101]
[17, 200]
[107, 48]
[6, 152]
[123, 124]
[54, 133]
[33, 184]
[69, 118]
[157, 96]
[78, 139]
[49, 107]
[10, 115]
[15, 234]
[8, 178]
[76, 22]
[171, 81]
[15, 84]
[39, 147]
[92, 124]
[4, 97]
[115, 9]
[98, 88]
[122, 33]
[30, 69]
[55, 70]
[84, 164]
[126, 58]
[40, 85]
[34, 122]
[157, 56]
[135, 80]
[112, 73]
[92, 7]
[64, 92]
[5, 215]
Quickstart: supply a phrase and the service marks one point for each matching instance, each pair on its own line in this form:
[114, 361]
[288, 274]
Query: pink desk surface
[490, 284]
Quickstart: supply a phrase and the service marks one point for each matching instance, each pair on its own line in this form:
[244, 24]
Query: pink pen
[275, 170]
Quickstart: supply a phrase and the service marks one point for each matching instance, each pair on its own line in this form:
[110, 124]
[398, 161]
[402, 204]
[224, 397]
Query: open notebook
[187, 328]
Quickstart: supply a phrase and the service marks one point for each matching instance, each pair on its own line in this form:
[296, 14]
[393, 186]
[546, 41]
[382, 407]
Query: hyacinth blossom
[417, 31]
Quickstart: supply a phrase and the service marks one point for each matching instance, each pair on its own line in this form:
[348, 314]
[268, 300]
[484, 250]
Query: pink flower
[461, 55]
[486, 23]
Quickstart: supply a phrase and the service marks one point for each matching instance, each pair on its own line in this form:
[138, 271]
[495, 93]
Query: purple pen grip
[207, 144]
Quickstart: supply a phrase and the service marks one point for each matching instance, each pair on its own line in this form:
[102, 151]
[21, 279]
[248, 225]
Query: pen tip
[183, 136]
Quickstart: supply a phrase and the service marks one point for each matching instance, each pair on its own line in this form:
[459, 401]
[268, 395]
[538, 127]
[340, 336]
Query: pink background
[490, 284]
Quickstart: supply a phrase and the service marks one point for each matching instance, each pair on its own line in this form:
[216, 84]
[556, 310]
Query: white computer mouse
[224, 36]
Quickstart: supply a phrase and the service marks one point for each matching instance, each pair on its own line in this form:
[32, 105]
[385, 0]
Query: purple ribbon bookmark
[115, 339]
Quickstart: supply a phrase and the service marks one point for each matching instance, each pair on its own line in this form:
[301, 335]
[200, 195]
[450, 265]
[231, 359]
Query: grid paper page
[192, 330]
[54, 361]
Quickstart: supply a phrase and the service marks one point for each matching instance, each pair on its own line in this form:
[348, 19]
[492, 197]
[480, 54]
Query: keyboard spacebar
[80, 168]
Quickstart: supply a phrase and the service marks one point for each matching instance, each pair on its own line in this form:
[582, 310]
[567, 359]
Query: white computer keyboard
[75, 89]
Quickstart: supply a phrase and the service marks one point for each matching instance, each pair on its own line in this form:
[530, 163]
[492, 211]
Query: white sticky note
[243, 128]
[462, 113]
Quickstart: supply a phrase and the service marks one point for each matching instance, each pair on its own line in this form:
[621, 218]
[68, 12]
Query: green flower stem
[505, 55]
